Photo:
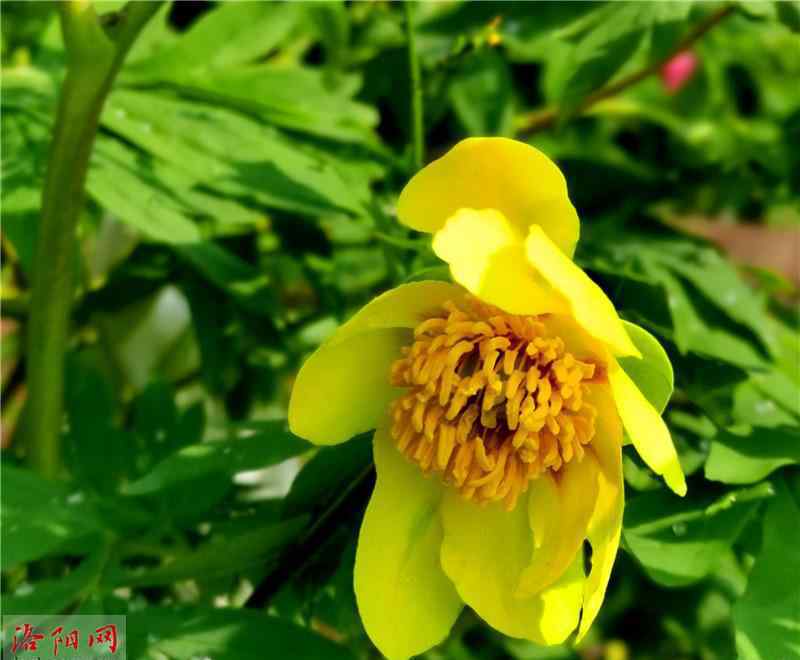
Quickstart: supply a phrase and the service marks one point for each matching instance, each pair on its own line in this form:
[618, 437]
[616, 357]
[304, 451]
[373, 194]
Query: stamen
[492, 401]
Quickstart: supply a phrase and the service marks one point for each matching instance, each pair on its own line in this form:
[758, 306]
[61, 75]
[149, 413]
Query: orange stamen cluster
[492, 401]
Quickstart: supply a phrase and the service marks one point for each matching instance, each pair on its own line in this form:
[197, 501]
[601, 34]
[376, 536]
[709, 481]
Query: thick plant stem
[417, 132]
[94, 55]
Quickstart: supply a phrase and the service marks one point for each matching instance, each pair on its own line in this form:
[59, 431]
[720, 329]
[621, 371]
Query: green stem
[95, 49]
[417, 133]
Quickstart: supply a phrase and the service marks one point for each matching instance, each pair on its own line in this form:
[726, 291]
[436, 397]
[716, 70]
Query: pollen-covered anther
[491, 401]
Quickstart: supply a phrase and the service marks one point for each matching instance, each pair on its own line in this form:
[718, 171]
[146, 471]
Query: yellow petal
[406, 602]
[343, 388]
[559, 510]
[485, 551]
[486, 255]
[404, 306]
[492, 173]
[589, 305]
[605, 525]
[578, 342]
[648, 432]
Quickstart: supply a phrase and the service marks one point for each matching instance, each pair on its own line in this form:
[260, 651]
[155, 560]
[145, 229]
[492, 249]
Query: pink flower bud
[677, 71]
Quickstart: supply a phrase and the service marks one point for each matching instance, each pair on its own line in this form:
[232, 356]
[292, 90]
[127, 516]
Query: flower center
[492, 401]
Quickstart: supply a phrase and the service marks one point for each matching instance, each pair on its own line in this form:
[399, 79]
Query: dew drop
[679, 529]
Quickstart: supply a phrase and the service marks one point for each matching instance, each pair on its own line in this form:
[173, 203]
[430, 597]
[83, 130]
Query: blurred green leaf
[42, 517]
[54, 595]
[744, 458]
[226, 634]
[99, 453]
[254, 445]
[766, 399]
[767, 617]
[482, 95]
[216, 558]
[606, 39]
[330, 470]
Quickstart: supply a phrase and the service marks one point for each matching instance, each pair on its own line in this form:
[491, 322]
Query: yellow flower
[499, 405]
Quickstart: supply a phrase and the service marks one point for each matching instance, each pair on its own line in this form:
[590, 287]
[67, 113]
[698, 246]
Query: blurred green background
[240, 205]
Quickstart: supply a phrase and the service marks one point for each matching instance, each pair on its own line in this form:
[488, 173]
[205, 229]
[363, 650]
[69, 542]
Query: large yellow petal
[605, 524]
[343, 388]
[492, 173]
[647, 430]
[406, 602]
[559, 508]
[589, 305]
[485, 551]
[404, 306]
[487, 256]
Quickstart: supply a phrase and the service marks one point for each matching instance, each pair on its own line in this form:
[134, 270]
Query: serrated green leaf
[679, 541]
[231, 153]
[237, 32]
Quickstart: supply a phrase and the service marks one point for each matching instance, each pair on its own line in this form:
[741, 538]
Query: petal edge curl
[590, 305]
[510, 176]
[648, 432]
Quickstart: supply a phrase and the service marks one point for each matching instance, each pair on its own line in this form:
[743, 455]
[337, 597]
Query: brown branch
[547, 118]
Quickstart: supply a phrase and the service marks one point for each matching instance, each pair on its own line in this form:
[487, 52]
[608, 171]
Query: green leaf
[330, 470]
[766, 399]
[232, 153]
[223, 555]
[42, 517]
[255, 445]
[609, 36]
[98, 452]
[680, 541]
[746, 458]
[235, 277]
[720, 283]
[224, 634]
[653, 372]
[482, 94]
[291, 97]
[233, 33]
[692, 332]
[767, 617]
[789, 14]
[137, 191]
[53, 596]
